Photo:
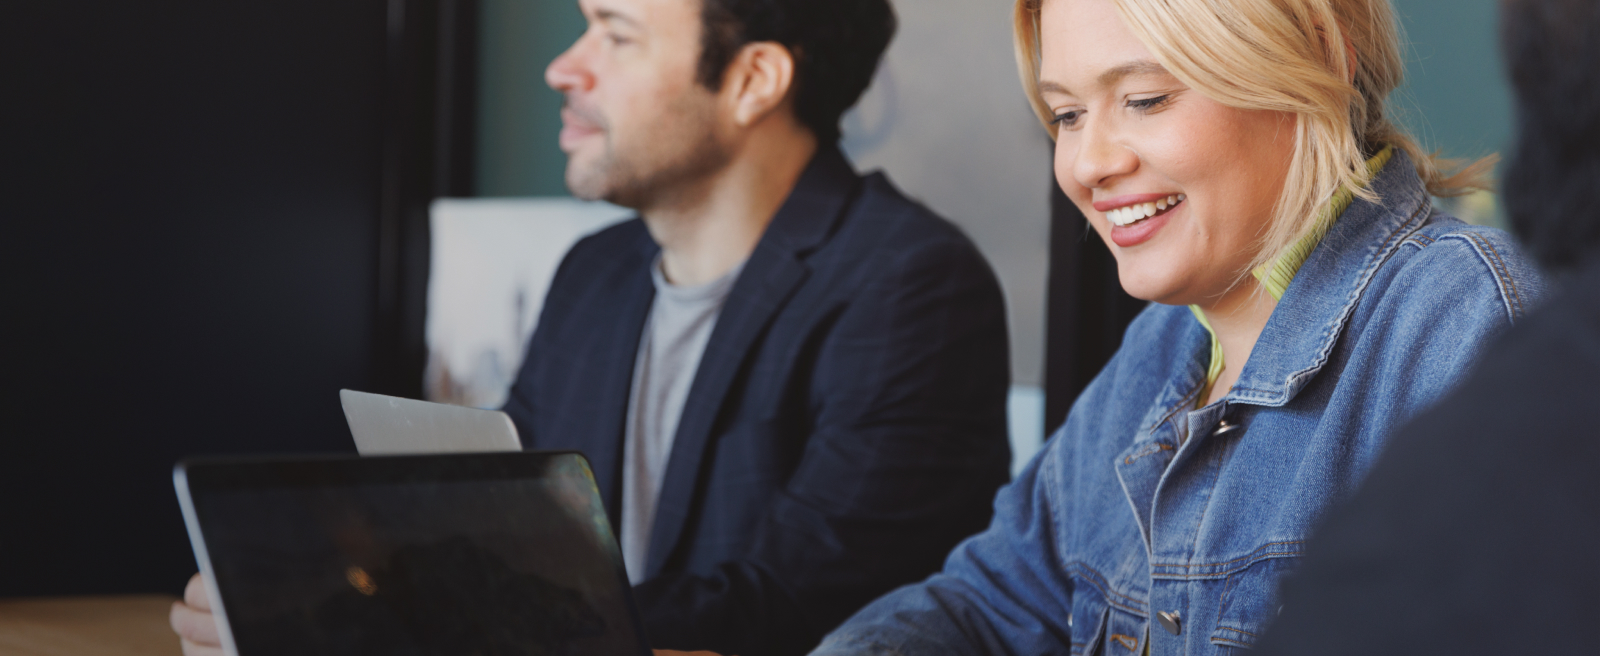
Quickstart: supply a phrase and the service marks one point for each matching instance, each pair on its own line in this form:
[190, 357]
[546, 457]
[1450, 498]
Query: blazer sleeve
[906, 450]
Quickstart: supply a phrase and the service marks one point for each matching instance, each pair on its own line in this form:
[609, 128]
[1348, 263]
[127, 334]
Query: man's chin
[586, 183]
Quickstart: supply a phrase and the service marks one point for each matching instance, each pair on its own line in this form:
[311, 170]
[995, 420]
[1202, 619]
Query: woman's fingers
[191, 649]
[192, 620]
[194, 626]
[195, 595]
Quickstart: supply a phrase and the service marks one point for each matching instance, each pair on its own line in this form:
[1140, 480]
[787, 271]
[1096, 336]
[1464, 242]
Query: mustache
[583, 113]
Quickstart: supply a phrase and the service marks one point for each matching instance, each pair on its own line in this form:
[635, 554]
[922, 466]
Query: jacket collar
[770, 277]
[1314, 310]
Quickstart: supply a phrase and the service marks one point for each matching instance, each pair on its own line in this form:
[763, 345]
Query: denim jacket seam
[1261, 553]
[1229, 628]
[1098, 581]
[1420, 240]
[1510, 296]
[1187, 401]
[1152, 449]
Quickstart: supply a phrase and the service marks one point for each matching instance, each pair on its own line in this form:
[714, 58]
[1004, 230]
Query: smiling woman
[1236, 157]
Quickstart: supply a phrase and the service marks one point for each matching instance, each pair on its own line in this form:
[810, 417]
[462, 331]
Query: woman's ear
[758, 81]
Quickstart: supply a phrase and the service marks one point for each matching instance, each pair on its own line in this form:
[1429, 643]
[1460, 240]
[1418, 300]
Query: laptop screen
[452, 554]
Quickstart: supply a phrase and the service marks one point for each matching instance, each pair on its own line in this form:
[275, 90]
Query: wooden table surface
[132, 625]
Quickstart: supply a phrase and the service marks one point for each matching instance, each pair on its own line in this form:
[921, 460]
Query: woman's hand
[193, 622]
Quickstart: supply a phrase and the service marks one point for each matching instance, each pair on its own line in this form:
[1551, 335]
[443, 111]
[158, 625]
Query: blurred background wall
[215, 215]
[209, 224]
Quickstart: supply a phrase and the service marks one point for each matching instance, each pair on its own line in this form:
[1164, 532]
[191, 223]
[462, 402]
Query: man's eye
[1147, 104]
[1067, 119]
[618, 39]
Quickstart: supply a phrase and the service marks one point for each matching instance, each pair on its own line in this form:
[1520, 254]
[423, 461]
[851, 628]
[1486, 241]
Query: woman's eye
[619, 39]
[1147, 104]
[1067, 119]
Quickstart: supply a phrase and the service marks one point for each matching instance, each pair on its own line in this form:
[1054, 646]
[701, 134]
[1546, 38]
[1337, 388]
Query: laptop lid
[384, 425]
[505, 553]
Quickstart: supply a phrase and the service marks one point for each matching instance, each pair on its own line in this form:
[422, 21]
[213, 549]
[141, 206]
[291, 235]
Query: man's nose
[1101, 157]
[570, 72]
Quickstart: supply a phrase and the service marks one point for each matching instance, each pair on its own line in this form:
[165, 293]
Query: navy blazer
[845, 429]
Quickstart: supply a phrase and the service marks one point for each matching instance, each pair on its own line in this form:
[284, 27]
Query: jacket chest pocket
[1250, 600]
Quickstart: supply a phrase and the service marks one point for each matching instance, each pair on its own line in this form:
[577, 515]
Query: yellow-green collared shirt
[1275, 277]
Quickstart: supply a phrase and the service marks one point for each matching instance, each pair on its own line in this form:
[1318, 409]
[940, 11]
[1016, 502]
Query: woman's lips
[1139, 232]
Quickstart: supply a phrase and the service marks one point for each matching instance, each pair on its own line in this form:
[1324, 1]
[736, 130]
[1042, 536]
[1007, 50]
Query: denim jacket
[1144, 515]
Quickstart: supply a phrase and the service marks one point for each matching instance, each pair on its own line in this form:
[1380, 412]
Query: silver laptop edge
[191, 520]
[388, 425]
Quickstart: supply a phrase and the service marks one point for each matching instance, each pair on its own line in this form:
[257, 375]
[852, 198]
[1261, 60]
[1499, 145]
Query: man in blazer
[789, 379]
[845, 425]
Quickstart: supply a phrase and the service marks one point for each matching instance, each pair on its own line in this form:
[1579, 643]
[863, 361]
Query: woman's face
[1133, 140]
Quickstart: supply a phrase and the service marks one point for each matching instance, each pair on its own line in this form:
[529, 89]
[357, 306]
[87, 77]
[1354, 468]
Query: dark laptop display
[506, 553]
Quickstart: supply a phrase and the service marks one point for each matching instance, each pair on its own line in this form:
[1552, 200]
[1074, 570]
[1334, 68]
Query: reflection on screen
[503, 567]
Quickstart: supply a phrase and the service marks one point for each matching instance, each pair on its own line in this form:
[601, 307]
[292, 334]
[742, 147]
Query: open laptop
[386, 425]
[498, 553]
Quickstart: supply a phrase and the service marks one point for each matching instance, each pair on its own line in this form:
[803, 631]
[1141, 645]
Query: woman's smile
[1127, 210]
[1136, 218]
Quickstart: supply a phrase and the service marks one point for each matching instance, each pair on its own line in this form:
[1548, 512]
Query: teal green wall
[518, 116]
[1456, 98]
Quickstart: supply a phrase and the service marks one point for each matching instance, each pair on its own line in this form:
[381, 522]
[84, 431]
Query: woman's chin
[1146, 285]
[1144, 290]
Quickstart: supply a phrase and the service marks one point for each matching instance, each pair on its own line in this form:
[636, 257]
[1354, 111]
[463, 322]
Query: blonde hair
[1289, 56]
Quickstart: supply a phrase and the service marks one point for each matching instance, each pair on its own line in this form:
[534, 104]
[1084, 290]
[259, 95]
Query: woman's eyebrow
[1110, 77]
[1115, 74]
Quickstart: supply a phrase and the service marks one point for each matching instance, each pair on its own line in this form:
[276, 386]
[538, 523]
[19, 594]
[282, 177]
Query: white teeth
[1133, 213]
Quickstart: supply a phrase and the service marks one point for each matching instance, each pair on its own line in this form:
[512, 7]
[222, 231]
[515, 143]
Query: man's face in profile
[637, 123]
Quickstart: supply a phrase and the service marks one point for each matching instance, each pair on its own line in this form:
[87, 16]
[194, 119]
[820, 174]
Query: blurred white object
[492, 261]
[1025, 410]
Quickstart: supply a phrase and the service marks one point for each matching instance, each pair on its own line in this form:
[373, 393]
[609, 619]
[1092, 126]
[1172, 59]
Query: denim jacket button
[1224, 427]
[1170, 621]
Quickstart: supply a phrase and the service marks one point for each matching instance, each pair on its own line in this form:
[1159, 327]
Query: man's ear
[758, 81]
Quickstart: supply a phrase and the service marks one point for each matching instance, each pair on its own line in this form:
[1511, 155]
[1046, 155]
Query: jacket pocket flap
[1250, 600]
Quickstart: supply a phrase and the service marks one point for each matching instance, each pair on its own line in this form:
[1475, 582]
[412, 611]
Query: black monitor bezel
[204, 475]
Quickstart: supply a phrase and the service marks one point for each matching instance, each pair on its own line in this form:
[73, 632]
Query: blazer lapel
[613, 359]
[770, 277]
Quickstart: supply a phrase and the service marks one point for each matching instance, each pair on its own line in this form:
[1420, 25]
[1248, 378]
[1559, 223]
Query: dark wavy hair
[836, 44]
[1552, 189]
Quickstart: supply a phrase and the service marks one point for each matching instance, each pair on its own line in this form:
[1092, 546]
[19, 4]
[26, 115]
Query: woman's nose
[1101, 157]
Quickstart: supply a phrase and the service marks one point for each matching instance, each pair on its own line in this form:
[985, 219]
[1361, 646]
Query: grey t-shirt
[675, 336]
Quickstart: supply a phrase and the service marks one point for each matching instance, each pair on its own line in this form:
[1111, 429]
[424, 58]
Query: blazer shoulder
[885, 207]
[884, 230]
[603, 245]
[595, 267]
